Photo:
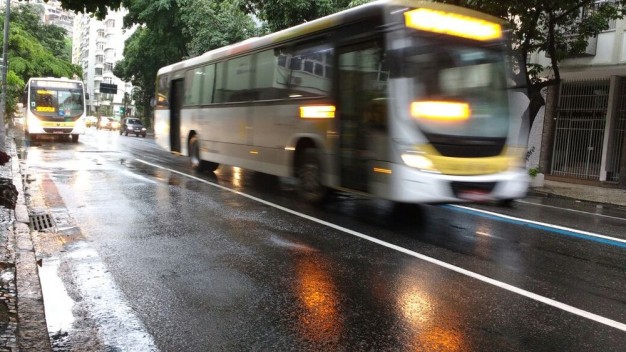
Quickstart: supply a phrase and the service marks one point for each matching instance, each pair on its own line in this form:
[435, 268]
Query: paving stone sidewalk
[22, 321]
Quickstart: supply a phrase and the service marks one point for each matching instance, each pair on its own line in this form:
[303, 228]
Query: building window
[101, 33]
[99, 59]
[108, 67]
[98, 72]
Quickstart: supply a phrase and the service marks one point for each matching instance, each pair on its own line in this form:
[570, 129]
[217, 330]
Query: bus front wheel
[74, 138]
[309, 174]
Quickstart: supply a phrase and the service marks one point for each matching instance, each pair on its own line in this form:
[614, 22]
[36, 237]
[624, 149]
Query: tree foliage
[144, 54]
[97, 7]
[172, 30]
[214, 24]
[35, 50]
[281, 14]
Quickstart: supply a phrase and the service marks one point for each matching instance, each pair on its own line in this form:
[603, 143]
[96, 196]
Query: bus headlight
[34, 122]
[418, 161]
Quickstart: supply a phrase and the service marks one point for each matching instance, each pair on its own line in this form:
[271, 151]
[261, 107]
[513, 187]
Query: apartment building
[586, 143]
[97, 47]
[51, 13]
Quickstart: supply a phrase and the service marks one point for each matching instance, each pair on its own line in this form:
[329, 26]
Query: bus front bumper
[78, 128]
[409, 185]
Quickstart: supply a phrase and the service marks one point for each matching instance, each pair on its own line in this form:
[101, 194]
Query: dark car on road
[132, 125]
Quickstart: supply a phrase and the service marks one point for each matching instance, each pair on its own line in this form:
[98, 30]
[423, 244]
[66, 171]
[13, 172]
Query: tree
[172, 30]
[144, 54]
[284, 14]
[33, 54]
[98, 7]
[214, 24]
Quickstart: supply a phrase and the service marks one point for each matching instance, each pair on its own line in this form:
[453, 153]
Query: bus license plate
[475, 195]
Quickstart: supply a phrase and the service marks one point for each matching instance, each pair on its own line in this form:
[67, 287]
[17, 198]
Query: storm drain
[41, 222]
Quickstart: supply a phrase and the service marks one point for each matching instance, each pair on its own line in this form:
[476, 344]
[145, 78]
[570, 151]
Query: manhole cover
[41, 222]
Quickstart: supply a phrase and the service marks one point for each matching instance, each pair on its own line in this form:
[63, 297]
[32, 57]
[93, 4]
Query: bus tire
[198, 164]
[75, 138]
[194, 153]
[209, 165]
[506, 203]
[309, 175]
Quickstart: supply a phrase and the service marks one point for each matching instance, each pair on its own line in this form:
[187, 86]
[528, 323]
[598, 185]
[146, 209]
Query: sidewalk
[22, 319]
[603, 195]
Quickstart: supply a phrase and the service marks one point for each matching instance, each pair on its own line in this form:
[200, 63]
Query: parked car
[91, 121]
[133, 125]
[109, 123]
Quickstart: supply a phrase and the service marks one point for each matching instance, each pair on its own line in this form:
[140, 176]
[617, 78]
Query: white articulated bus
[54, 106]
[404, 100]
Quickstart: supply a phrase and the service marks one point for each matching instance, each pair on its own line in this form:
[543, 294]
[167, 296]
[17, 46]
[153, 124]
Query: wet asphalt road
[233, 261]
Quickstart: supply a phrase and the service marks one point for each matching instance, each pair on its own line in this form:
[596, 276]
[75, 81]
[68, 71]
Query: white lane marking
[505, 286]
[558, 227]
[57, 302]
[572, 210]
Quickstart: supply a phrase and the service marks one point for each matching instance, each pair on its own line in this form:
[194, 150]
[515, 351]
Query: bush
[533, 171]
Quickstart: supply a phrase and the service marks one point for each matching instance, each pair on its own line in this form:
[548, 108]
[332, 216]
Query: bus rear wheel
[309, 174]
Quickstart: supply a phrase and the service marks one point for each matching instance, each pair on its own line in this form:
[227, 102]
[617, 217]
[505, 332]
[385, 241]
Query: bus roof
[54, 79]
[319, 25]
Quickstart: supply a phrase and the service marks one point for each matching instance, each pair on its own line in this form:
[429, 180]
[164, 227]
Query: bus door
[176, 102]
[362, 106]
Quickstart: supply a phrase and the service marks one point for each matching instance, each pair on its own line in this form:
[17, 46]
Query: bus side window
[305, 71]
[238, 80]
[194, 79]
[267, 70]
[162, 92]
[219, 96]
[209, 85]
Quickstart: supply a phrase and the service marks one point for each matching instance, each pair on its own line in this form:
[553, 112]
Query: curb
[543, 193]
[32, 330]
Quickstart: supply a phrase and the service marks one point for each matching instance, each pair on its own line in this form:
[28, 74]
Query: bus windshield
[55, 103]
[450, 72]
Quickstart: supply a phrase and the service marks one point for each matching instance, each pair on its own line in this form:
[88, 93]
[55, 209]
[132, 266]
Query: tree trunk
[549, 124]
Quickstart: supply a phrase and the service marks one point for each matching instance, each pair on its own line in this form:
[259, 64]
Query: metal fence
[579, 129]
[613, 163]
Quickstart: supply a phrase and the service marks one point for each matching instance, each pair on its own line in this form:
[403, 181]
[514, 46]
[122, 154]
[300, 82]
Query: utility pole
[7, 15]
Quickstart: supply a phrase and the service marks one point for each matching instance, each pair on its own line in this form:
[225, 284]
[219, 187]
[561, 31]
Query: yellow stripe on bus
[467, 166]
[57, 124]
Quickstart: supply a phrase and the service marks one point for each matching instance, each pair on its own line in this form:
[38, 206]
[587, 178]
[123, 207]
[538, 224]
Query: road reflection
[319, 298]
[431, 326]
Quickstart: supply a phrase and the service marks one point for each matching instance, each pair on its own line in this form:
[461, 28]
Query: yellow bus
[398, 99]
[54, 106]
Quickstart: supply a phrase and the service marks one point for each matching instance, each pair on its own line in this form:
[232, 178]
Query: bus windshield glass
[57, 103]
[464, 85]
